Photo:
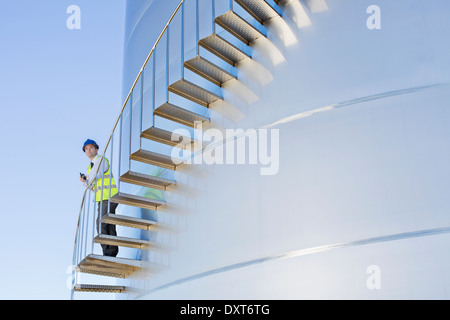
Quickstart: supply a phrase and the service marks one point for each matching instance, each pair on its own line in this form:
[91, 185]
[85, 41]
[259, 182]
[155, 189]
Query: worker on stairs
[102, 191]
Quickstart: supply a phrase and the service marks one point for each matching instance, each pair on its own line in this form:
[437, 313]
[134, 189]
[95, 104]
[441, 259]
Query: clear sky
[58, 87]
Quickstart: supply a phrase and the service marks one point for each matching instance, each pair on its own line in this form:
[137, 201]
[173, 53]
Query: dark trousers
[108, 229]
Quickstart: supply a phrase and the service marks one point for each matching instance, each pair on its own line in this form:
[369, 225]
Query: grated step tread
[137, 201]
[238, 27]
[92, 268]
[121, 241]
[194, 92]
[114, 262]
[99, 288]
[128, 221]
[223, 49]
[108, 266]
[166, 137]
[156, 159]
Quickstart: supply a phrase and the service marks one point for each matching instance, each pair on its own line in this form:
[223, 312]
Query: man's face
[90, 151]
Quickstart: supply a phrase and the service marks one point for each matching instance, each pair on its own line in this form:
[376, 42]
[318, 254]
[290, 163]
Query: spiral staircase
[262, 14]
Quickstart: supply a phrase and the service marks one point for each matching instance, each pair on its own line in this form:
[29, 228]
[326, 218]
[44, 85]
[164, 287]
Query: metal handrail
[114, 128]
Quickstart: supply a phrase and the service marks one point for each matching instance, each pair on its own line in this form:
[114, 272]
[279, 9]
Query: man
[90, 148]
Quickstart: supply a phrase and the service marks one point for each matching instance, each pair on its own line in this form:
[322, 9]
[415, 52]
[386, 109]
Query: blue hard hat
[89, 141]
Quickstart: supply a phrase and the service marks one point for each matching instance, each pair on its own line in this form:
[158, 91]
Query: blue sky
[58, 87]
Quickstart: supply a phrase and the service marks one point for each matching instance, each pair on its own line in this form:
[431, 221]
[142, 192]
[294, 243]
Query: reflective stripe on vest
[108, 184]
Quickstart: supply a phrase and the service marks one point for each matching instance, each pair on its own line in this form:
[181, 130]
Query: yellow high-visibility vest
[108, 183]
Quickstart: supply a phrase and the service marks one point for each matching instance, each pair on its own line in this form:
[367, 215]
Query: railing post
[110, 174]
[88, 215]
[154, 87]
[213, 8]
[93, 220]
[101, 164]
[120, 150]
[81, 232]
[81, 235]
[95, 210]
[197, 36]
[131, 127]
[182, 40]
[142, 107]
[167, 62]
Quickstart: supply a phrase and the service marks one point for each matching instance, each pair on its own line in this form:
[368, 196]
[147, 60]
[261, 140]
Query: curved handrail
[115, 126]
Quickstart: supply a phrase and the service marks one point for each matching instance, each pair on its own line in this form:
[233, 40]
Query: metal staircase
[246, 30]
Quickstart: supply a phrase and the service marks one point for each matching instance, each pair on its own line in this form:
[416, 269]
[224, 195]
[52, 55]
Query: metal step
[127, 221]
[92, 268]
[238, 27]
[180, 115]
[194, 92]
[156, 159]
[208, 70]
[223, 49]
[137, 201]
[146, 180]
[166, 137]
[115, 262]
[121, 241]
[108, 266]
[258, 9]
[99, 288]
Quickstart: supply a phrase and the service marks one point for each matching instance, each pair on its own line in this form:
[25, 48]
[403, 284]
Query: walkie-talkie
[82, 175]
